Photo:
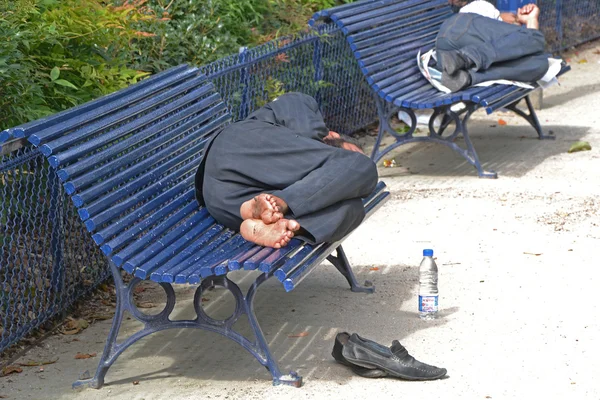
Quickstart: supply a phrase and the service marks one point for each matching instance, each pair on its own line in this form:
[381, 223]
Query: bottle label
[428, 303]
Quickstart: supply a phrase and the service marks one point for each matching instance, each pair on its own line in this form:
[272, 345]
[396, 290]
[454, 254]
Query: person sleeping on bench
[480, 44]
[280, 173]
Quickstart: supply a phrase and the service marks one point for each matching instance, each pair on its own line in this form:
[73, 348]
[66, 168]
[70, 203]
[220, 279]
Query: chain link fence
[48, 260]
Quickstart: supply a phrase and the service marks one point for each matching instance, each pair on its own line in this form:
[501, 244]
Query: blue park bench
[385, 36]
[127, 161]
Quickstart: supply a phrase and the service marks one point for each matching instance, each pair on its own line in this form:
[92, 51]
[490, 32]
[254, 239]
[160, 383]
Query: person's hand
[333, 135]
[352, 147]
[527, 13]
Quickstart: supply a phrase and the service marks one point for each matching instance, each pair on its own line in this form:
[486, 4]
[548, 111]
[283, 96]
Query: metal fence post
[57, 236]
[558, 27]
[242, 55]
[318, 77]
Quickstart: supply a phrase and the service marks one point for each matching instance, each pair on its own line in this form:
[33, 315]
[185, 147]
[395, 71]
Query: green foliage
[57, 54]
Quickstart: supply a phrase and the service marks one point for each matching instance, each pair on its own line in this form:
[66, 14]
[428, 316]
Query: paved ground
[518, 283]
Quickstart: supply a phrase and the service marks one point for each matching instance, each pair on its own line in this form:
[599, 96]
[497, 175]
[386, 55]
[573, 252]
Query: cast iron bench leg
[386, 112]
[154, 323]
[341, 263]
[531, 117]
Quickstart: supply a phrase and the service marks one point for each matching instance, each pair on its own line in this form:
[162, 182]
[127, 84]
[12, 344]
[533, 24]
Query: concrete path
[518, 283]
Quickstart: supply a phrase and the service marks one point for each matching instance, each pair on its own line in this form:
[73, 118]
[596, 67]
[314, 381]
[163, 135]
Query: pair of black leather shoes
[372, 360]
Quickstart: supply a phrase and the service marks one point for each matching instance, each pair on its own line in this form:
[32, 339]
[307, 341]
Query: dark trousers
[322, 185]
[498, 49]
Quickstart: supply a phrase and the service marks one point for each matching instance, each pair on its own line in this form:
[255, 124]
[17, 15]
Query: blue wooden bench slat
[435, 16]
[163, 200]
[54, 139]
[159, 162]
[102, 112]
[195, 251]
[190, 265]
[172, 244]
[385, 63]
[102, 169]
[128, 163]
[143, 254]
[392, 44]
[145, 223]
[253, 262]
[385, 38]
[511, 98]
[374, 11]
[278, 255]
[238, 261]
[85, 146]
[60, 118]
[423, 5]
[383, 42]
[100, 213]
[128, 251]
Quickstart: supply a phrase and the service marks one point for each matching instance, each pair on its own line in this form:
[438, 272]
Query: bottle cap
[427, 253]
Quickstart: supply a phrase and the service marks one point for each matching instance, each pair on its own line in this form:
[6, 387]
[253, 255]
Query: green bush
[56, 54]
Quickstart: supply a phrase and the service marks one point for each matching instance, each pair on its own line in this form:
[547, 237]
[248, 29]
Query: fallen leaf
[83, 356]
[572, 383]
[582, 61]
[501, 122]
[74, 326]
[374, 269]
[481, 281]
[146, 304]
[100, 317]
[579, 146]
[11, 369]
[204, 299]
[596, 52]
[389, 163]
[36, 363]
[3, 396]
[301, 334]
[136, 382]
[532, 254]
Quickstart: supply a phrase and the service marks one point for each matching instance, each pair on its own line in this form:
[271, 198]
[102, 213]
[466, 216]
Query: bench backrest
[128, 159]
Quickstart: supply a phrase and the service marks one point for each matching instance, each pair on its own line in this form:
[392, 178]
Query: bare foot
[276, 235]
[261, 207]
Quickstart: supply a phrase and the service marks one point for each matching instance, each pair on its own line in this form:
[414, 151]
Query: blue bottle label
[428, 303]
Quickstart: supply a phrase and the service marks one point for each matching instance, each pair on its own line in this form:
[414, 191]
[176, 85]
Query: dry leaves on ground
[83, 356]
[74, 326]
[11, 369]
[301, 334]
[374, 269]
[502, 122]
[532, 254]
[36, 363]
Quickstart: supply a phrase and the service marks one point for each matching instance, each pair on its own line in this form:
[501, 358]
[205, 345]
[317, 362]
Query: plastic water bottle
[428, 287]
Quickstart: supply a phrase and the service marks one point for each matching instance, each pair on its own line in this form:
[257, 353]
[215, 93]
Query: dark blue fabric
[498, 49]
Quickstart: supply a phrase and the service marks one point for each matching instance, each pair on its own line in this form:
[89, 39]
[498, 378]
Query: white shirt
[483, 8]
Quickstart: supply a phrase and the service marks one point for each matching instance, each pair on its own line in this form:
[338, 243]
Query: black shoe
[340, 340]
[456, 82]
[454, 61]
[394, 360]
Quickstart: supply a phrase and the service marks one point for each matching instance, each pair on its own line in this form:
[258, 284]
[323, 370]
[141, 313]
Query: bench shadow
[556, 99]
[510, 150]
[321, 307]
